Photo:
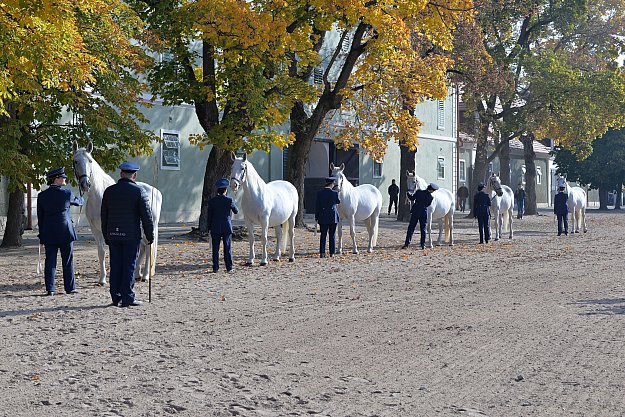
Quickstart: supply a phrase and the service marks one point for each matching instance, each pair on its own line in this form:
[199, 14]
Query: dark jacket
[481, 204]
[53, 215]
[421, 200]
[393, 190]
[325, 209]
[463, 192]
[125, 208]
[519, 194]
[219, 219]
[560, 205]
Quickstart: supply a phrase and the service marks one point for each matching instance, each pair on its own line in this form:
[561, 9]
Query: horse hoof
[355, 252]
[577, 231]
[263, 263]
[496, 239]
[291, 259]
[249, 263]
[369, 250]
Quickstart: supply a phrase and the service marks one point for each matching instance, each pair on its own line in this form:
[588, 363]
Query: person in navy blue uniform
[327, 215]
[421, 201]
[125, 209]
[561, 210]
[220, 223]
[56, 230]
[393, 193]
[481, 211]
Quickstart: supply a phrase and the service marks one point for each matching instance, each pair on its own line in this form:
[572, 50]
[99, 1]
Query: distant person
[220, 223]
[56, 229]
[125, 211]
[327, 215]
[419, 213]
[481, 211]
[561, 210]
[393, 193]
[519, 196]
[462, 194]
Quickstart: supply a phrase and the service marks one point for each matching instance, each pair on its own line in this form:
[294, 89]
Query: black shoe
[114, 304]
[405, 247]
[481, 242]
[422, 247]
[215, 271]
[559, 234]
[322, 255]
[49, 293]
[134, 303]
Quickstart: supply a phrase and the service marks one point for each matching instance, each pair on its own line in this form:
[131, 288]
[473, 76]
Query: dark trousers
[462, 202]
[394, 200]
[422, 218]
[563, 218]
[216, 240]
[324, 231]
[520, 208]
[123, 257]
[483, 223]
[67, 258]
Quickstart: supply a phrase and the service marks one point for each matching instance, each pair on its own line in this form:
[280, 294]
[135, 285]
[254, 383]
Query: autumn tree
[554, 65]
[65, 58]
[380, 59]
[227, 58]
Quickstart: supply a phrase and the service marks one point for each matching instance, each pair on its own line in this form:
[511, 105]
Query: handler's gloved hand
[147, 240]
[107, 243]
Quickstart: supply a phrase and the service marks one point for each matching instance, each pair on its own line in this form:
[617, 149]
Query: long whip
[150, 258]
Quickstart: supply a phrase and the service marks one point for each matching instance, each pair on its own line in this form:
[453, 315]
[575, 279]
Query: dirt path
[528, 327]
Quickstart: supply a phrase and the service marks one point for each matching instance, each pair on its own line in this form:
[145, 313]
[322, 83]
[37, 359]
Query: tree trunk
[530, 175]
[407, 163]
[218, 166]
[603, 198]
[16, 219]
[504, 164]
[481, 157]
[619, 196]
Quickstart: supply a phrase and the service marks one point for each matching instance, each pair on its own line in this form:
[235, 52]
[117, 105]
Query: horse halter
[243, 175]
[496, 186]
[411, 184]
[80, 178]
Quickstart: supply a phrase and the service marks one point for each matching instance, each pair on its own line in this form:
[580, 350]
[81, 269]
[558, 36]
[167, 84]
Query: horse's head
[83, 166]
[494, 183]
[337, 172]
[238, 173]
[414, 182]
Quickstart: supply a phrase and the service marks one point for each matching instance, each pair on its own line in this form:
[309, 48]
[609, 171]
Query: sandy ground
[528, 327]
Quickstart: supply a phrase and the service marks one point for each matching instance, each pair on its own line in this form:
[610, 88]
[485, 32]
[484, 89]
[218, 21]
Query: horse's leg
[279, 237]
[510, 214]
[497, 224]
[584, 219]
[450, 225]
[339, 228]
[291, 238]
[264, 231]
[440, 231]
[101, 259]
[352, 233]
[142, 266]
[250, 239]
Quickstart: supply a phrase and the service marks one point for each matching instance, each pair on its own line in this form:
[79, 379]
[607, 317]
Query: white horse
[93, 181]
[502, 204]
[357, 203]
[577, 205]
[442, 208]
[271, 204]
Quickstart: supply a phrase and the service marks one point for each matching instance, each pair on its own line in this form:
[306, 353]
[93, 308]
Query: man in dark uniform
[327, 215]
[561, 210]
[421, 200]
[462, 194]
[393, 193]
[220, 223]
[125, 209]
[481, 210]
[56, 230]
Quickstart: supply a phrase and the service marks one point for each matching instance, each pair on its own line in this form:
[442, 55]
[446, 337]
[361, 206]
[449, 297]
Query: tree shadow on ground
[32, 311]
[603, 306]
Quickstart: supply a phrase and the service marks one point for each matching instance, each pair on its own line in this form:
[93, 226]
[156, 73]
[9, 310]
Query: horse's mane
[253, 181]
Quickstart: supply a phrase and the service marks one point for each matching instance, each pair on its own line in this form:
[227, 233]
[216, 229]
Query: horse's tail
[375, 220]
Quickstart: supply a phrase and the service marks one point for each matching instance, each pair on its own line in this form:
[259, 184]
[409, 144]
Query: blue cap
[481, 186]
[58, 172]
[433, 186]
[330, 179]
[129, 167]
[222, 183]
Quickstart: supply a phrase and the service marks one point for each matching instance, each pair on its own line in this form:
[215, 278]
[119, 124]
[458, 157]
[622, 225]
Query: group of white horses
[275, 204]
